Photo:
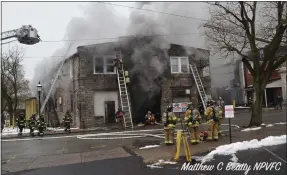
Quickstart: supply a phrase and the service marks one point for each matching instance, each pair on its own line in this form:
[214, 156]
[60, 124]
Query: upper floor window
[104, 65]
[179, 64]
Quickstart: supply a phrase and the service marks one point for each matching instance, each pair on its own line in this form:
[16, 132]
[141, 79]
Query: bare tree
[243, 28]
[14, 86]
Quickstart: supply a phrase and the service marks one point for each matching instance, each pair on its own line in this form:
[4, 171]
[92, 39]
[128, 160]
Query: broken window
[179, 64]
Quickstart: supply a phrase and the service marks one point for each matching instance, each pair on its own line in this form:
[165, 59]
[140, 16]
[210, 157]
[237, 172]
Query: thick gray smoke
[145, 23]
[99, 21]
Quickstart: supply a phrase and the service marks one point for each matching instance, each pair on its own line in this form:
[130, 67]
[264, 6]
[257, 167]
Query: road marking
[13, 157]
[275, 155]
[100, 146]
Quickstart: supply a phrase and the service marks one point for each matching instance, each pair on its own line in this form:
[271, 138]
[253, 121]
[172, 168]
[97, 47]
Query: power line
[107, 38]
[155, 11]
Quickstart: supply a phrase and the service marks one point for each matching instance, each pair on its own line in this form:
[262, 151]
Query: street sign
[229, 111]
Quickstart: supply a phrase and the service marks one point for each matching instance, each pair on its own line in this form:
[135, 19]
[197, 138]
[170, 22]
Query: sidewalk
[168, 152]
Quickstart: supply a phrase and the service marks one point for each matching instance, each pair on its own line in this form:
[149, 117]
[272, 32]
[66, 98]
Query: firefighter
[20, 123]
[32, 124]
[192, 119]
[67, 121]
[169, 126]
[41, 125]
[219, 113]
[120, 118]
[212, 121]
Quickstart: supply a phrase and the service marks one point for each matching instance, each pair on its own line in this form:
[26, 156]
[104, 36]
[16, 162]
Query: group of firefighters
[192, 120]
[40, 124]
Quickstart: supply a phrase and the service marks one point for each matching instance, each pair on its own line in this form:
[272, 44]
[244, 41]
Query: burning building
[159, 75]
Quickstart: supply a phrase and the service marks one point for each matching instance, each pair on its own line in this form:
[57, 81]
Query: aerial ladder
[54, 81]
[199, 84]
[124, 96]
[25, 35]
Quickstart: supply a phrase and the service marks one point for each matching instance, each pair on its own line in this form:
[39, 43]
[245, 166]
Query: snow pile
[161, 162]
[281, 123]
[13, 131]
[149, 146]
[245, 145]
[250, 129]
[234, 158]
[269, 125]
[242, 107]
[58, 129]
[154, 166]
[263, 124]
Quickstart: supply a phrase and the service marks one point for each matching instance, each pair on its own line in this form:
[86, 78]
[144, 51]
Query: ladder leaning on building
[124, 96]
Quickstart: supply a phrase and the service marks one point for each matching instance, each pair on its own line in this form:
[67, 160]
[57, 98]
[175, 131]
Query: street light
[39, 89]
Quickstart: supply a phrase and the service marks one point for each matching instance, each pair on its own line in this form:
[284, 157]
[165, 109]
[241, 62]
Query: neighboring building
[275, 86]
[88, 86]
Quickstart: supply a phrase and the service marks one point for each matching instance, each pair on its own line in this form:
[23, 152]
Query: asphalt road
[87, 154]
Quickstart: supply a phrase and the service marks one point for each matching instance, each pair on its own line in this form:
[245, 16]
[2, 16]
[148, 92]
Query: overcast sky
[51, 19]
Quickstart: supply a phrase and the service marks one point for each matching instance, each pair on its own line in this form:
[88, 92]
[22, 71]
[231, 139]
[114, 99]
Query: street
[95, 153]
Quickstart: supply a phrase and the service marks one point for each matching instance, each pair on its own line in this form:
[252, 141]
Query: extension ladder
[124, 96]
[54, 81]
[199, 85]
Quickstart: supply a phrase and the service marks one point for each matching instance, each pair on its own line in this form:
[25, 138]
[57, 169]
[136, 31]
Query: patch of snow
[263, 124]
[269, 125]
[231, 125]
[154, 166]
[234, 158]
[161, 162]
[232, 148]
[242, 107]
[149, 146]
[250, 129]
[14, 131]
[197, 158]
[58, 129]
[281, 123]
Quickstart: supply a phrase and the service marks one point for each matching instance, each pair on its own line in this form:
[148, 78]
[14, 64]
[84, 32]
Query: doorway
[110, 111]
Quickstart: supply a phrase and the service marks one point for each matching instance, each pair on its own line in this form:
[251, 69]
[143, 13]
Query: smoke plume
[99, 21]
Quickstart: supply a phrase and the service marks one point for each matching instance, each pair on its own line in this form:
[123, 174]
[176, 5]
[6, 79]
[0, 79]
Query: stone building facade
[90, 91]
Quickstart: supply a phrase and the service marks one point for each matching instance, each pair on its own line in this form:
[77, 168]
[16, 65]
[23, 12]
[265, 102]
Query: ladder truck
[25, 35]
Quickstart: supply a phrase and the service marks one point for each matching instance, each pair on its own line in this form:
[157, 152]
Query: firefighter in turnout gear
[20, 123]
[169, 126]
[32, 124]
[67, 121]
[219, 113]
[192, 121]
[120, 118]
[41, 125]
[212, 121]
